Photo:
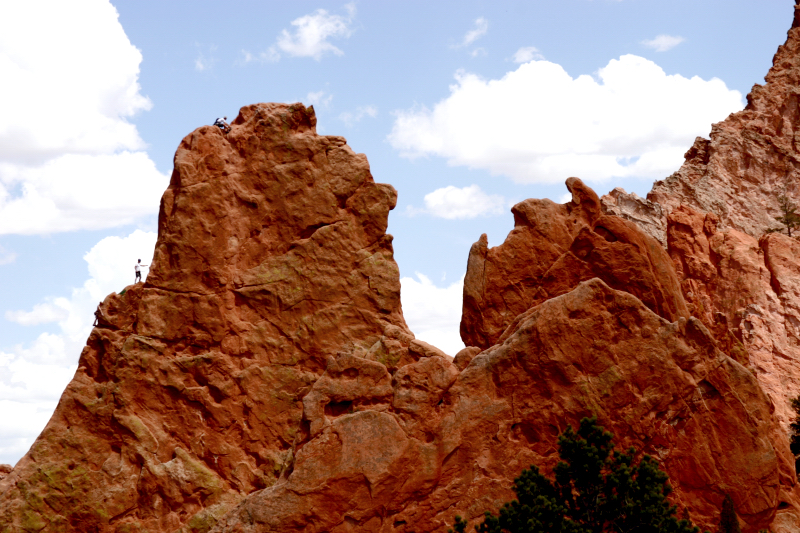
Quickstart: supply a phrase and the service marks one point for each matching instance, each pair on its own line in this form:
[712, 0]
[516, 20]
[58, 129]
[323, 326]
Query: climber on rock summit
[222, 124]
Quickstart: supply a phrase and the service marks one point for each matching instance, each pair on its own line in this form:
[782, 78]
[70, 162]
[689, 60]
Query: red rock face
[272, 257]
[713, 215]
[438, 442]
[551, 249]
[263, 379]
[748, 161]
[746, 291]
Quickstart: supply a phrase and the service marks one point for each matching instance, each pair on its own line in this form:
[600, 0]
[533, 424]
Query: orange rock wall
[271, 257]
[263, 379]
[713, 216]
[438, 442]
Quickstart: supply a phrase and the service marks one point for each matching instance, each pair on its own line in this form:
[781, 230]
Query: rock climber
[98, 314]
[222, 124]
[138, 270]
[100, 319]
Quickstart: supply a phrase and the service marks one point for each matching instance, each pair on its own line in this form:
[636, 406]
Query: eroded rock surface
[748, 292]
[649, 216]
[271, 259]
[452, 442]
[714, 214]
[551, 249]
[750, 159]
[263, 379]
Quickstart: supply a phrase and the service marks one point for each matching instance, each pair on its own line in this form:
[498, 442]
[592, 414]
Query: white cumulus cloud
[312, 32]
[433, 313]
[32, 377]
[310, 37]
[527, 53]
[662, 43]
[52, 311]
[79, 191]
[67, 148]
[537, 124]
[460, 203]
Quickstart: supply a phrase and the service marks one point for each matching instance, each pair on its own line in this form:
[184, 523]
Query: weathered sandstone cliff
[551, 249]
[714, 213]
[737, 174]
[271, 258]
[442, 442]
[263, 378]
[713, 216]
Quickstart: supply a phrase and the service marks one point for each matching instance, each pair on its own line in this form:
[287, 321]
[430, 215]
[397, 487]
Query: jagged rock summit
[271, 259]
[717, 215]
[749, 160]
[263, 378]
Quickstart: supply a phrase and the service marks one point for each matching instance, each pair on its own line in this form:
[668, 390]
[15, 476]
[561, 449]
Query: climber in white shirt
[138, 270]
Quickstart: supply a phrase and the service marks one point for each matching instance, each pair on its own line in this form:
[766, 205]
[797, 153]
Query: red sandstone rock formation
[750, 159]
[551, 249]
[271, 258]
[438, 442]
[4, 470]
[713, 216]
[263, 379]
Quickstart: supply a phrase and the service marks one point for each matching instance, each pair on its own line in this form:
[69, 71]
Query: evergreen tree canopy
[728, 521]
[596, 490]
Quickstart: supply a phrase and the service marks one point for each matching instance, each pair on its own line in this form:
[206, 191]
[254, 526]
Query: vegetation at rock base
[794, 434]
[596, 489]
[788, 216]
[728, 521]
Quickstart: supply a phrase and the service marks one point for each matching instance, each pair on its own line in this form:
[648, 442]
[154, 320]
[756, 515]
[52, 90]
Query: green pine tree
[728, 521]
[459, 526]
[596, 490]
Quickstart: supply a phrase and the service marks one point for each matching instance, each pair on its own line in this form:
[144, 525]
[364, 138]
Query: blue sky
[465, 107]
